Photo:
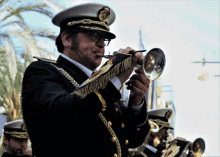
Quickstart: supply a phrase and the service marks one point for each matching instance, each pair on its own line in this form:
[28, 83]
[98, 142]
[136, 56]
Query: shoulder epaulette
[44, 59]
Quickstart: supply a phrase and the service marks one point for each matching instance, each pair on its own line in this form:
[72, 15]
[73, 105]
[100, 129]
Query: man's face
[160, 140]
[16, 146]
[88, 49]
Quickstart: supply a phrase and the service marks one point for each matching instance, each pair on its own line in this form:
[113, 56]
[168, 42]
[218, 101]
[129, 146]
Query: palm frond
[36, 8]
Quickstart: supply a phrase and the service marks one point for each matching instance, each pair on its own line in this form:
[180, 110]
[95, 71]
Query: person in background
[15, 139]
[157, 138]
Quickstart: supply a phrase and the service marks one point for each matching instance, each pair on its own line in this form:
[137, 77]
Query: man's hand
[123, 76]
[138, 83]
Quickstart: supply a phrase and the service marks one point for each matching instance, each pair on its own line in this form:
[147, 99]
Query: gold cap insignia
[104, 14]
[23, 127]
[168, 114]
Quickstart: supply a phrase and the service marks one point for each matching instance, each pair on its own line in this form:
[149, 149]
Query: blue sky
[186, 31]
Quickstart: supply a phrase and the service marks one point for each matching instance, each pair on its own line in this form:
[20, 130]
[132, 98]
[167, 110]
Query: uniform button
[103, 109]
[116, 109]
[122, 125]
[113, 139]
[126, 142]
[138, 129]
[115, 155]
[109, 123]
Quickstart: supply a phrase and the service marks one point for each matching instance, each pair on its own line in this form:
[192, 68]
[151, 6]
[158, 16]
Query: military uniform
[60, 123]
[157, 118]
[17, 130]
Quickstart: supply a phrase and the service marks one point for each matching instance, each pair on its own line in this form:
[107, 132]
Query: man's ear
[66, 41]
[5, 140]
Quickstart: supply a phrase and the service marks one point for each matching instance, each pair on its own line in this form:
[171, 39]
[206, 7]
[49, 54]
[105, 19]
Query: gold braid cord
[17, 134]
[74, 83]
[88, 21]
[112, 133]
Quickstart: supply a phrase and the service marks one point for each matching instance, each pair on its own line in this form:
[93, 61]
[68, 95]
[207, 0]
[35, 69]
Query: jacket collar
[72, 69]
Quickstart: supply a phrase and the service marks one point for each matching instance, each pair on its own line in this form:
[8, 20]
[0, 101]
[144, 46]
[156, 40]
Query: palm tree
[14, 60]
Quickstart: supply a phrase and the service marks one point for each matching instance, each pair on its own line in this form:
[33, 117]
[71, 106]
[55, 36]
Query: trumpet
[196, 148]
[152, 64]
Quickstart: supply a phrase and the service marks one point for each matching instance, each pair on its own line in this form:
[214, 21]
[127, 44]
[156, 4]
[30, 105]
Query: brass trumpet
[196, 148]
[153, 63]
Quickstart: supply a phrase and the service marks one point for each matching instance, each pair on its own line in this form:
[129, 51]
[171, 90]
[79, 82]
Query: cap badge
[104, 14]
[168, 114]
[23, 127]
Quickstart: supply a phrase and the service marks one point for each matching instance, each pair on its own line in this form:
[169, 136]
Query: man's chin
[161, 146]
[20, 153]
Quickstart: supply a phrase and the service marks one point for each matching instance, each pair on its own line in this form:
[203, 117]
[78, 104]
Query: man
[15, 139]
[67, 111]
[157, 138]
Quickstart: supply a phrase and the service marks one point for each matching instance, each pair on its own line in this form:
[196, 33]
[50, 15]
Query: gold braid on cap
[17, 134]
[160, 122]
[88, 22]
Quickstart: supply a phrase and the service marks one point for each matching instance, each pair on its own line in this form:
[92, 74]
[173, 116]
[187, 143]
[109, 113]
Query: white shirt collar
[87, 71]
[151, 148]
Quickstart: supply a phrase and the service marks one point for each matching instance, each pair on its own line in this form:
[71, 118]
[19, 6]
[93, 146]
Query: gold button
[116, 109]
[126, 142]
[113, 139]
[109, 123]
[138, 129]
[115, 155]
[103, 109]
[122, 125]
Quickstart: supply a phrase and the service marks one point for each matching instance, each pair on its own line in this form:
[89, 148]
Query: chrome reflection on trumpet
[154, 63]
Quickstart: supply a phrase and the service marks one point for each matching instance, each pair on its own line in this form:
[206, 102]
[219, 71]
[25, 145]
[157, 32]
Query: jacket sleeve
[137, 126]
[44, 93]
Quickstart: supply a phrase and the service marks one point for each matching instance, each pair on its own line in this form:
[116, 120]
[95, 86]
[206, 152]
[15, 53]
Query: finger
[137, 91]
[139, 70]
[137, 84]
[141, 78]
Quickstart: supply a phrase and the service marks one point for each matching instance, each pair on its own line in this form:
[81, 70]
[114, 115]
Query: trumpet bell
[153, 63]
[198, 147]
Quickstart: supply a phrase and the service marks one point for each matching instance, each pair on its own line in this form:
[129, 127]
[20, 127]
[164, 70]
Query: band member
[15, 139]
[70, 112]
[156, 140]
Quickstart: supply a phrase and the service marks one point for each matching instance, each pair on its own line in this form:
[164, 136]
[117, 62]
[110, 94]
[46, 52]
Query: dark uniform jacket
[62, 124]
[5, 154]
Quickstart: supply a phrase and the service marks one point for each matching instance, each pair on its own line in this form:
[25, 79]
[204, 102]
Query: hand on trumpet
[138, 83]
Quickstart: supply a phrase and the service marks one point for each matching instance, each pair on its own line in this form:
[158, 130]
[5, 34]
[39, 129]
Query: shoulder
[45, 60]
[41, 63]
